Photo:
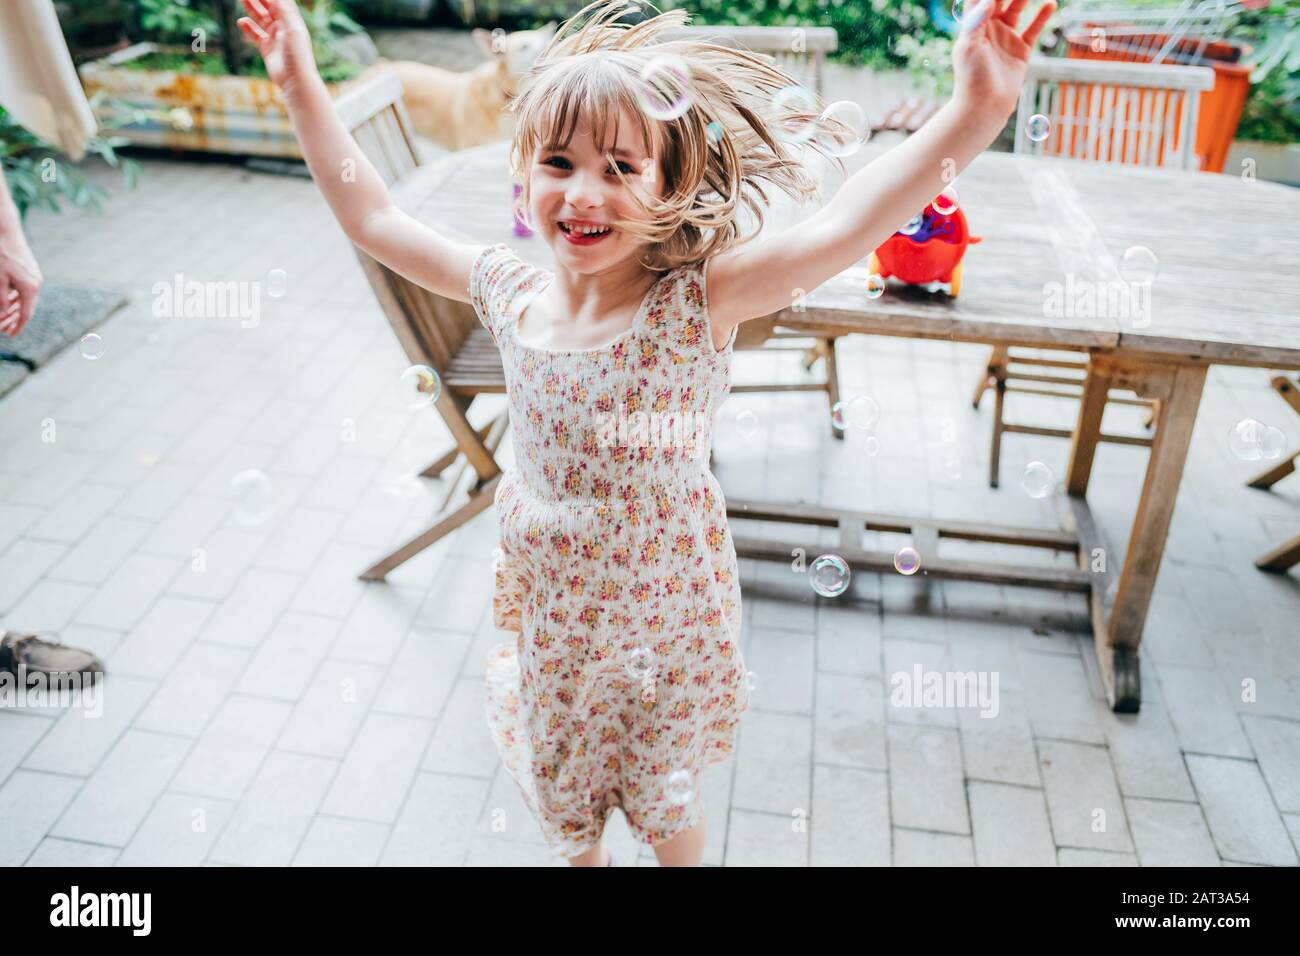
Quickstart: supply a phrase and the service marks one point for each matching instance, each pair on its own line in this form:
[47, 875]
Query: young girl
[617, 567]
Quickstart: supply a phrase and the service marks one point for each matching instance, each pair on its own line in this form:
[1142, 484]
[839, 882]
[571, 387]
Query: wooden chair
[1286, 556]
[801, 52]
[1105, 111]
[443, 334]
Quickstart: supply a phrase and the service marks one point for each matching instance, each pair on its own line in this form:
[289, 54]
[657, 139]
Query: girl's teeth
[586, 230]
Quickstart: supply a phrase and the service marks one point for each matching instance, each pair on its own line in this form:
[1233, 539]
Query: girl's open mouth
[584, 235]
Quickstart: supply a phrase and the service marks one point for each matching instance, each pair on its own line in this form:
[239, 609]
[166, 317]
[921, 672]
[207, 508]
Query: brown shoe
[36, 655]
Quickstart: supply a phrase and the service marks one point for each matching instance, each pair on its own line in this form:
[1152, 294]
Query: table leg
[1087, 430]
[1119, 634]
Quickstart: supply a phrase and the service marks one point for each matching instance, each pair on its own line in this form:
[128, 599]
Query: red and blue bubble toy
[928, 248]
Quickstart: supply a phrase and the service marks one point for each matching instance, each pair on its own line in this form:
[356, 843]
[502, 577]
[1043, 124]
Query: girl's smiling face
[577, 196]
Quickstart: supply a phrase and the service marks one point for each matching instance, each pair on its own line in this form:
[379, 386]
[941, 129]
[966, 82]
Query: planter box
[1276, 162]
[244, 115]
[1221, 106]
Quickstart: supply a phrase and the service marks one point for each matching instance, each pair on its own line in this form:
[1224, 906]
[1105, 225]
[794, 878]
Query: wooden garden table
[1225, 292]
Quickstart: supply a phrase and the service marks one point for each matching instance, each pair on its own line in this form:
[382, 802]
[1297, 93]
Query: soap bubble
[945, 204]
[640, 663]
[863, 412]
[797, 100]
[1037, 480]
[92, 346]
[907, 560]
[419, 386]
[680, 787]
[842, 128]
[746, 424]
[277, 280]
[1247, 439]
[1272, 443]
[875, 286]
[1138, 264]
[503, 664]
[829, 575]
[665, 89]
[256, 499]
[1038, 128]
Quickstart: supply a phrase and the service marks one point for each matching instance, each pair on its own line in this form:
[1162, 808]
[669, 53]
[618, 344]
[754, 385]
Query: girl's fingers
[1030, 36]
[258, 13]
[1012, 13]
[285, 11]
[254, 32]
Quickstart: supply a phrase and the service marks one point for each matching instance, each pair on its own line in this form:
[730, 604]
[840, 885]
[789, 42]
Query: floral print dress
[616, 566]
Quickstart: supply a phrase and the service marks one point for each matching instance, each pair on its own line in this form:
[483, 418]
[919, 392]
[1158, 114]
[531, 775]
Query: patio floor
[266, 707]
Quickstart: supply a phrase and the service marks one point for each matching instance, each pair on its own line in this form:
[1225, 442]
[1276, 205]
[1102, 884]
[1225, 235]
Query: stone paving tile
[1010, 825]
[1243, 819]
[924, 848]
[119, 795]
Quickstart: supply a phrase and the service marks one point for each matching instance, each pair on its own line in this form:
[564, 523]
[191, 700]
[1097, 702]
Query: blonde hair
[595, 71]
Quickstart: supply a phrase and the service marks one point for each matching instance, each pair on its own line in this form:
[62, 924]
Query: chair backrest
[799, 51]
[1139, 114]
[430, 328]
[373, 112]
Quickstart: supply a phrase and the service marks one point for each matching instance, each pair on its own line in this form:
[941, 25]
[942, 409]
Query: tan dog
[459, 110]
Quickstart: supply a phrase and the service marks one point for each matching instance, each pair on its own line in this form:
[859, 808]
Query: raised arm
[989, 62]
[353, 188]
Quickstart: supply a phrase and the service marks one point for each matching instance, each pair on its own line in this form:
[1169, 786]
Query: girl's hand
[990, 58]
[277, 30]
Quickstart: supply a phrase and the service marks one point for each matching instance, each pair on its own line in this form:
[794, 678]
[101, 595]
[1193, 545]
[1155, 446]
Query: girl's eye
[625, 167]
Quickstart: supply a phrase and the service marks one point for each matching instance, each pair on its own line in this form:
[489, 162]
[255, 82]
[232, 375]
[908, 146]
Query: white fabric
[38, 83]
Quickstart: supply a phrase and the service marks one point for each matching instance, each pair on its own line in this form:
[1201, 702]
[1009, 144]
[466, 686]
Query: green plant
[202, 24]
[40, 176]
[174, 21]
[1272, 112]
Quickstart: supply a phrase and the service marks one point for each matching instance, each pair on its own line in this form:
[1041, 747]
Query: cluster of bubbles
[830, 575]
[861, 413]
[419, 387]
[665, 93]
[255, 498]
[1038, 480]
[1251, 440]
